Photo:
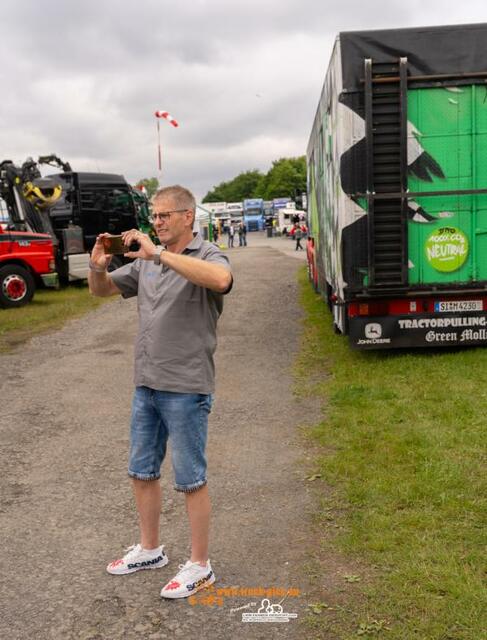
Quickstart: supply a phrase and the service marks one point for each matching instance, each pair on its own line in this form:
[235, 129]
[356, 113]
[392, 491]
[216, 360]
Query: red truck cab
[26, 260]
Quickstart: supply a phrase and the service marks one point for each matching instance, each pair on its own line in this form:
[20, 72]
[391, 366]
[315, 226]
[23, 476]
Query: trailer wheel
[329, 293]
[17, 286]
[340, 320]
[308, 265]
[314, 273]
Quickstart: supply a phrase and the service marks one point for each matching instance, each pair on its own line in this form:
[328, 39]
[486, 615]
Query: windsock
[167, 116]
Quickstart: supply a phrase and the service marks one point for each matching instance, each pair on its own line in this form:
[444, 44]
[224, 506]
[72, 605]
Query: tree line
[285, 178]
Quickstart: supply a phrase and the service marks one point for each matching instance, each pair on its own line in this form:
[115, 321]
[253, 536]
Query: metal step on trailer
[386, 142]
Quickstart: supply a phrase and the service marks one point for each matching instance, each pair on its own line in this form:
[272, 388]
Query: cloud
[82, 80]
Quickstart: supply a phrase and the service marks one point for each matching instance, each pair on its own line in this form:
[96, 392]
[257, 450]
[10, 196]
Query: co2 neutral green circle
[446, 249]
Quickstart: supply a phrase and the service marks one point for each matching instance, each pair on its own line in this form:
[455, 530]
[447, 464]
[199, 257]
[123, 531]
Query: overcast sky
[242, 77]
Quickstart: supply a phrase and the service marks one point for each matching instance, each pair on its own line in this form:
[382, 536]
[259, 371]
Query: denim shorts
[181, 417]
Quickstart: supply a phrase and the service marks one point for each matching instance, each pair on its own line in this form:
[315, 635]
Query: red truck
[26, 260]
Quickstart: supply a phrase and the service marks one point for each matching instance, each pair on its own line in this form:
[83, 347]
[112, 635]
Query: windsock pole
[168, 117]
[159, 145]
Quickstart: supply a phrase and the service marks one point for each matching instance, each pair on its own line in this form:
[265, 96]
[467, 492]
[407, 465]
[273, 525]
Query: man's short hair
[182, 197]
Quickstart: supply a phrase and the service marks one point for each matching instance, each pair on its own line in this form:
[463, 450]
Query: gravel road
[66, 506]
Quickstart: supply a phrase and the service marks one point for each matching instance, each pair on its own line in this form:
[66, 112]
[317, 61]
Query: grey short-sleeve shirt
[177, 322]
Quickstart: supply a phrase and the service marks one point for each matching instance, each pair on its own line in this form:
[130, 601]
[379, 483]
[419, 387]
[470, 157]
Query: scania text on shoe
[137, 559]
[145, 563]
[198, 583]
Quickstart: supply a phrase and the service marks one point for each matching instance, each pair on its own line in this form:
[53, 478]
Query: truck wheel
[17, 286]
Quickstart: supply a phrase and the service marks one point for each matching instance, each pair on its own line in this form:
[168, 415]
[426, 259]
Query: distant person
[215, 233]
[231, 235]
[269, 226]
[242, 234]
[298, 234]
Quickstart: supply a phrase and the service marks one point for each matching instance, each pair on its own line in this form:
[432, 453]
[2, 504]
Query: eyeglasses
[166, 216]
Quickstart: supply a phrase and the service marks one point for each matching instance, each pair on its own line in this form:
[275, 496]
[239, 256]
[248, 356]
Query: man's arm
[101, 284]
[200, 272]
[99, 281]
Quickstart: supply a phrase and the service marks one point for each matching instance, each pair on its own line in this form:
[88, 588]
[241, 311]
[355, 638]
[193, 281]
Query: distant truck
[268, 208]
[216, 208]
[234, 211]
[218, 212]
[280, 203]
[65, 212]
[26, 260]
[397, 187]
[287, 216]
[253, 210]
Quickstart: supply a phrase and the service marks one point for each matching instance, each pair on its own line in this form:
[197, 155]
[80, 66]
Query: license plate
[459, 305]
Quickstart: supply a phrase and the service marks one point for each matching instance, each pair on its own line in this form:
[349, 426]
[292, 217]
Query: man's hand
[147, 247]
[98, 256]
[99, 279]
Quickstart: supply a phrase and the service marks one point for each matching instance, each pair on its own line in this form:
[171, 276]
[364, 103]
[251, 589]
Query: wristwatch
[157, 256]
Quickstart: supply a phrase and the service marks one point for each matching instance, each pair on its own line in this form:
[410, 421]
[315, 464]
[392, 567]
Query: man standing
[242, 234]
[179, 287]
[298, 234]
[231, 235]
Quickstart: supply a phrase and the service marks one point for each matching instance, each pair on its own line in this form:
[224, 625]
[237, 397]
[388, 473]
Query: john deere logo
[447, 249]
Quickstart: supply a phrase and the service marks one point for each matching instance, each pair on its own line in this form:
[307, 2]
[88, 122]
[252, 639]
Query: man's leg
[148, 501]
[198, 508]
[188, 430]
[148, 439]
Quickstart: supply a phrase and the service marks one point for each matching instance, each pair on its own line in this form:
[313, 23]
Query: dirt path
[66, 508]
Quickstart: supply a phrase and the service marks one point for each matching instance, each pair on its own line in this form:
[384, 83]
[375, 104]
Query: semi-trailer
[397, 187]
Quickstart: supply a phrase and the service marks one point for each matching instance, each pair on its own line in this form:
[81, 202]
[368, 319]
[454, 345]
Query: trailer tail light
[52, 265]
[368, 309]
[375, 309]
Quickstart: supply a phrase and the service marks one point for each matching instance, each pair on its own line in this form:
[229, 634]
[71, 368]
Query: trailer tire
[17, 286]
[315, 282]
[329, 293]
[340, 320]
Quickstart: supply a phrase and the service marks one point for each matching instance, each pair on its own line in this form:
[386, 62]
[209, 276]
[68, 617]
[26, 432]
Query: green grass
[404, 447]
[49, 309]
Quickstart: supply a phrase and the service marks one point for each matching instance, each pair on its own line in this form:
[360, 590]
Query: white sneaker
[191, 578]
[137, 558]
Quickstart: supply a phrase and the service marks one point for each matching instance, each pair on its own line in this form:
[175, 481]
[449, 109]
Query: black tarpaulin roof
[429, 50]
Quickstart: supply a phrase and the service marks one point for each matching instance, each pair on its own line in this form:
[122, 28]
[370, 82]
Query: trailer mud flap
[428, 330]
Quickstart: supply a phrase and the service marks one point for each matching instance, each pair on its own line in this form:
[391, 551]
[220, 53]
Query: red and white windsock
[167, 116]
